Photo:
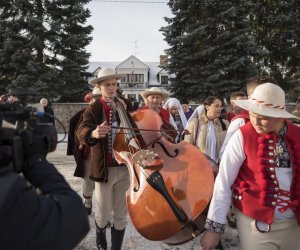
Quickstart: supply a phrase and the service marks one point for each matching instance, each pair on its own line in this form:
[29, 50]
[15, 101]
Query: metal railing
[133, 85]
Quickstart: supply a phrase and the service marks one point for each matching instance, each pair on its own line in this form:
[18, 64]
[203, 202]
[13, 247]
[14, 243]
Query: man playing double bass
[111, 179]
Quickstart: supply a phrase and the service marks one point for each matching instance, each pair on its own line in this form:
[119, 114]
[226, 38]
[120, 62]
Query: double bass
[171, 184]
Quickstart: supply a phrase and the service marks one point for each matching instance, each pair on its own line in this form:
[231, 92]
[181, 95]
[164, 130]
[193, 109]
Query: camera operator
[46, 215]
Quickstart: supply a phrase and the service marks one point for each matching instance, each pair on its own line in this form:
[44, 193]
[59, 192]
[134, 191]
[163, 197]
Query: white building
[138, 75]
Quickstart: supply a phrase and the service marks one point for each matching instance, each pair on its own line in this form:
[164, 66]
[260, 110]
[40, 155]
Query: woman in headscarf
[177, 117]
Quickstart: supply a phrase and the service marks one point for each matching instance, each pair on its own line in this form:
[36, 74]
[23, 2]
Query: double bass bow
[171, 184]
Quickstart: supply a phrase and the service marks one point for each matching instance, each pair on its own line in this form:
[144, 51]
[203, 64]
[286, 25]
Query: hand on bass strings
[101, 130]
[210, 240]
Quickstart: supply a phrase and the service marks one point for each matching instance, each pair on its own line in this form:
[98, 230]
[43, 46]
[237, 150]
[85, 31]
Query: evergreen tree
[68, 39]
[36, 47]
[276, 25]
[215, 46]
[216, 53]
[179, 64]
[15, 51]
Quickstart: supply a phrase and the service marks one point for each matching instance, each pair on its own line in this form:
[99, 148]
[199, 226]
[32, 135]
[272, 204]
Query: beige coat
[198, 127]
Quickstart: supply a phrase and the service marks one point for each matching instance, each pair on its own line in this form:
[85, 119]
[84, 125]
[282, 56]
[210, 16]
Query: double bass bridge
[147, 159]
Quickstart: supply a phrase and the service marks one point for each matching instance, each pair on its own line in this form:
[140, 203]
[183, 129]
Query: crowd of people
[256, 146]
[215, 134]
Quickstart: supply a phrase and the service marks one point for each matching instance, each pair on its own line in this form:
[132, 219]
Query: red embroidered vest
[108, 115]
[230, 116]
[244, 114]
[164, 114]
[256, 189]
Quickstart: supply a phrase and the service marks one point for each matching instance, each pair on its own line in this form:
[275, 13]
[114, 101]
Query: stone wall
[64, 111]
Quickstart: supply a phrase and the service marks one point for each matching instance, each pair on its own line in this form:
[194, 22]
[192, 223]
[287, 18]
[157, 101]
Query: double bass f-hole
[176, 151]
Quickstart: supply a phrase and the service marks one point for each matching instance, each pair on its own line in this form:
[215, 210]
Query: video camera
[23, 119]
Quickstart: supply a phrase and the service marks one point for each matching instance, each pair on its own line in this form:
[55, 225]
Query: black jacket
[54, 219]
[74, 144]
[48, 117]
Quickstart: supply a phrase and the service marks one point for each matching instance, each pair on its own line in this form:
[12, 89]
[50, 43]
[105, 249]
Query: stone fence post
[63, 112]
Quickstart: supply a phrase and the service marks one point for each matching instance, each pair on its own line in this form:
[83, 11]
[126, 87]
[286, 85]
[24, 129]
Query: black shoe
[231, 222]
[220, 246]
[88, 207]
[117, 237]
[87, 203]
[101, 238]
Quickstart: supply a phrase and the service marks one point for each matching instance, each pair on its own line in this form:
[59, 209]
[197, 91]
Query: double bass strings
[131, 133]
[144, 131]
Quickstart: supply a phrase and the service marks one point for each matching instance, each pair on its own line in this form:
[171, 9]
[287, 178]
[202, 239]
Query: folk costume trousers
[284, 234]
[111, 198]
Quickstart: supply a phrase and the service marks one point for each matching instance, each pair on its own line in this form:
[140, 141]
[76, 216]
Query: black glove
[35, 147]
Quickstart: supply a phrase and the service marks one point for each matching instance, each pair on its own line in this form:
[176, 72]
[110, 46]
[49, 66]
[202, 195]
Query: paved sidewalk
[132, 241]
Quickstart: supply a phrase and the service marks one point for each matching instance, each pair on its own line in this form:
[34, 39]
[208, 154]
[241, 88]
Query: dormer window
[164, 79]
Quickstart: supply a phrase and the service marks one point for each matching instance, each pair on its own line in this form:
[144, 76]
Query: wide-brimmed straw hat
[267, 99]
[105, 74]
[154, 91]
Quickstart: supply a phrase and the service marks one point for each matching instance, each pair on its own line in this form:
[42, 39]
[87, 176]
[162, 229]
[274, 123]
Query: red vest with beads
[256, 187]
[107, 106]
[244, 114]
[164, 114]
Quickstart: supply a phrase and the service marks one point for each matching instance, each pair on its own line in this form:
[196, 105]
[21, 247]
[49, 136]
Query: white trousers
[111, 198]
[284, 234]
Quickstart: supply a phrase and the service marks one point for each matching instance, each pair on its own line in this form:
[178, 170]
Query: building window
[133, 78]
[131, 97]
[164, 79]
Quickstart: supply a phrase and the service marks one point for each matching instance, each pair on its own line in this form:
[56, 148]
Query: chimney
[163, 60]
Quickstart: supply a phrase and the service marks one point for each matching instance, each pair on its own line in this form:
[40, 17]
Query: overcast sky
[122, 29]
